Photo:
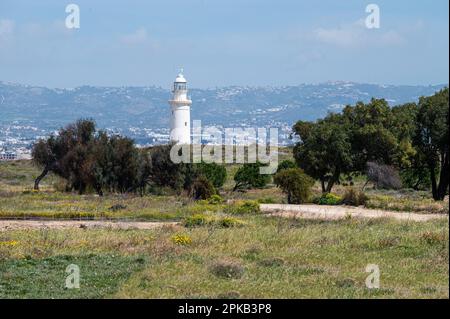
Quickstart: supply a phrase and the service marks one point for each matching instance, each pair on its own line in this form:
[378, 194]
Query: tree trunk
[443, 178]
[99, 190]
[333, 179]
[433, 180]
[40, 177]
[322, 181]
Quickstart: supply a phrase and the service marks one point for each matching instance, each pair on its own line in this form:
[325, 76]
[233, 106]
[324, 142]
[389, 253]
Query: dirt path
[90, 224]
[339, 212]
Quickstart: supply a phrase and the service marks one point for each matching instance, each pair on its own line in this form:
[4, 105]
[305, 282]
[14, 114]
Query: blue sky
[223, 42]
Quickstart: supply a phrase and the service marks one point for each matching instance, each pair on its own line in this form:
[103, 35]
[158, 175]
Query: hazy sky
[223, 42]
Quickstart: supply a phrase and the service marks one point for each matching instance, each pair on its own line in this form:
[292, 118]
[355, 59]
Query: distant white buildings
[18, 154]
[8, 156]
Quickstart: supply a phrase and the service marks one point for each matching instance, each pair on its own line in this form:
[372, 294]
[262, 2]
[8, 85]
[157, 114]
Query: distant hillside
[131, 109]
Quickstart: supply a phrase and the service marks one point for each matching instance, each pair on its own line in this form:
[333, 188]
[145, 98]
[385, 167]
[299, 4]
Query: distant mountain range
[133, 109]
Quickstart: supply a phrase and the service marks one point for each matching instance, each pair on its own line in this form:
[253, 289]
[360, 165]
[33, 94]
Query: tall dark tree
[344, 143]
[432, 139]
[324, 150]
[92, 160]
[59, 154]
[164, 172]
[369, 129]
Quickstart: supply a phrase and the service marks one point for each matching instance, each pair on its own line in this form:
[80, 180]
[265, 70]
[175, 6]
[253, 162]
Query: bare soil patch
[90, 224]
[340, 212]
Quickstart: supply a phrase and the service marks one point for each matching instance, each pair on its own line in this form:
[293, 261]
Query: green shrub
[196, 220]
[354, 197]
[181, 239]
[164, 172]
[248, 176]
[267, 200]
[295, 183]
[286, 164]
[228, 222]
[328, 199]
[215, 173]
[243, 208]
[202, 188]
[215, 199]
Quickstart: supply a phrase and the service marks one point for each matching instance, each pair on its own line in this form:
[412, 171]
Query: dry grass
[280, 258]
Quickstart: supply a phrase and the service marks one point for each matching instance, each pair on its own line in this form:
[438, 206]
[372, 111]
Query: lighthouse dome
[180, 78]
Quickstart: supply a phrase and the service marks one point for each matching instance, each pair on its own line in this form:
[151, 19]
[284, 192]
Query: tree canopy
[410, 138]
[432, 140]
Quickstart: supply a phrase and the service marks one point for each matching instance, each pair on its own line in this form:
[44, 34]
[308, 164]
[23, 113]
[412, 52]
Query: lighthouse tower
[180, 117]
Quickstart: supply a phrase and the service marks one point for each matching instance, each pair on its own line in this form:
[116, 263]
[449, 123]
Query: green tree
[65, 154]
[164, 172]
[344, 143]
[370, 128]
[324, 150]
[90, 160]
[432, 140]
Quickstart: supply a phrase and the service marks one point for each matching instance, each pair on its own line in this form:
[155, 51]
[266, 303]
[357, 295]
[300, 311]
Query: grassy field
[248, 256]
[266, 258]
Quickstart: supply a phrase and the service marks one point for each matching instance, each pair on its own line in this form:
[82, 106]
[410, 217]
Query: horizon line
[222, 86]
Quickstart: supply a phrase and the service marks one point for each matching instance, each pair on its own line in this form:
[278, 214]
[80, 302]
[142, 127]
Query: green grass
[100, 276]
[68, 205]
[272, 257]
[407, 201]
[280, 259]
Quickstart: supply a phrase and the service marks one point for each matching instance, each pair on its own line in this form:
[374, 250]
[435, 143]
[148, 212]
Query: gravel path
[293, 211]
[339, 212]
[61, 224]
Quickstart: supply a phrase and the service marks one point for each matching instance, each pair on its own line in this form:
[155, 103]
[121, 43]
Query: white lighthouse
[180, 117]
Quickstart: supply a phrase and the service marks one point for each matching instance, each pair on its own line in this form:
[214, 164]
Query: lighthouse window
[185, 123]
[180, 86]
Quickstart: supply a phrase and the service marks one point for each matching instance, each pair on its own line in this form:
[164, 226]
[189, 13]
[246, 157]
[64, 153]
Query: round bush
[196, 220]
[329, 199]
[248, 176]
[354, 197]
[228, 222]
[181, 239]
[295, 183]
[243, 208]
[286, 164]
[215, 173]
[202, 188]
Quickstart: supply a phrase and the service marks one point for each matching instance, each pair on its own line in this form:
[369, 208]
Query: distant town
[28, 113]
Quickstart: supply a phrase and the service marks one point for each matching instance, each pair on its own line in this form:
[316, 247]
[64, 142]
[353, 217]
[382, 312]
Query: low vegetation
[295, 184]
[265, 258]
[371, 155]
[409, 141]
